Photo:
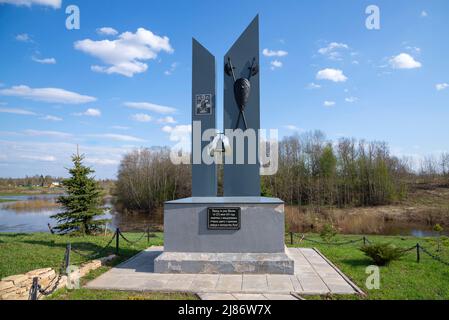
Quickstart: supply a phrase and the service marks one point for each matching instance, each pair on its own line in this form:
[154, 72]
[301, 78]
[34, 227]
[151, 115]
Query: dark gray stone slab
[243, 179]
[261, 226]
[204, 176]
[224, 263]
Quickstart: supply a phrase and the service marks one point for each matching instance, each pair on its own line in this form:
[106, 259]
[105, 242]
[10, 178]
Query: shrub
[382, 254]
[328, 232]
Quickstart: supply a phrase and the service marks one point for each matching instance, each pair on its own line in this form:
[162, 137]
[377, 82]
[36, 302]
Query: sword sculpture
[242, 88]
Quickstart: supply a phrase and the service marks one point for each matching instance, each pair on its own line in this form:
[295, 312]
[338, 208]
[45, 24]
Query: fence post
[34, 288]
[364, 240]
[418, 258]
[117, 233]
[67, 256]
[291, 238]
[148, 235]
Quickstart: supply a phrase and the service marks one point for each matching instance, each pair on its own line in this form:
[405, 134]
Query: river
[28, 220]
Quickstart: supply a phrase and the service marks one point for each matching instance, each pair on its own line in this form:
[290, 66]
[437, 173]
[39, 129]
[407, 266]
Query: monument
[241, 232]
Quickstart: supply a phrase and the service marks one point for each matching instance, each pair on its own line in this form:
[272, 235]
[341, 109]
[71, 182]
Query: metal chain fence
[36, 288]
[366, 241]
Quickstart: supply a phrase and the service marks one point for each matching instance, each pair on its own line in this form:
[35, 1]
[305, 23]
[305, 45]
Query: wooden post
[418, 258]
[291, 238]
[117, 233]
[34, 288]
[364, 240]
[148, 235]
[67, 255]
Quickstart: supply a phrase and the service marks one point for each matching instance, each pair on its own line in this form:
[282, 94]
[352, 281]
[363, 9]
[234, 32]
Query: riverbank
[7, 200]
[23, 191]
[402, 279]
[22, 252]
[425, 206]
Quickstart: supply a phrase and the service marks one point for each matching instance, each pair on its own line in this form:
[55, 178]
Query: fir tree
[82, 202]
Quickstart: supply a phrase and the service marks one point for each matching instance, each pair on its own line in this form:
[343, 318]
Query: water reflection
[33, 220]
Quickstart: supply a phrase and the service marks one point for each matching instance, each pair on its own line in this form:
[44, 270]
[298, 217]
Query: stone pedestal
[256, 247]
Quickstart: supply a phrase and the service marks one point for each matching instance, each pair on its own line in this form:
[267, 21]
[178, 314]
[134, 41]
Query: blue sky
[123, 79]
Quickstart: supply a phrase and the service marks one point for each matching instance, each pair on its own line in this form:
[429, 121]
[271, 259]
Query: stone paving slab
[313, 275]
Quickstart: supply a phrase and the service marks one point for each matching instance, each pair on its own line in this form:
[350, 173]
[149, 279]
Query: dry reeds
[32, 205]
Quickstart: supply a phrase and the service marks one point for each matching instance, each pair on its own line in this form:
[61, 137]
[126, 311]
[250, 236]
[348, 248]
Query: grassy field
[6, 200]
[402, 279]
[20, 191]
[89, 294]
[20, 252]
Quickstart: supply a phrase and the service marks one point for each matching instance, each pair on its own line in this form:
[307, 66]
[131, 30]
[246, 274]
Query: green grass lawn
[90, 294]
[6, 200]
[21, 191]
[21, 252]
[402, 279]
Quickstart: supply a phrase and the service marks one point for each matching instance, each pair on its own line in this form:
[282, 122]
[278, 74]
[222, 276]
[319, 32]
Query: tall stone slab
[243, 179]
[204, 176]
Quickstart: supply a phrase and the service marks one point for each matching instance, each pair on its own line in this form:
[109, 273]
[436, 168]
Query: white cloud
[404, 61]
[334, 75]
[44, 61]
[332, 51]
[89, 113]
[167, 120]
[120, 127]
[107, 31]
[23, 37]
[17, 111]
[102, 161]
[126, 54]
[275, 64]
[416, 50]
[141, 117]
[98, 156]
[51, 118]
[37, 133]
[55, 4]
[424, 14]
[313, 85]
[274, 53]
[39, 158]
[52, 95]
[172, 69]
[441, 86]
[351, 99]
[329, 103]
[292, 127]
[180, 133]
[117, 137]
[150, 107]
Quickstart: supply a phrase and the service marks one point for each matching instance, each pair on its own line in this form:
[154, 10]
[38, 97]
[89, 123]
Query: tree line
[313, 171]
[146, 178]
[316, 172]
[36, 180]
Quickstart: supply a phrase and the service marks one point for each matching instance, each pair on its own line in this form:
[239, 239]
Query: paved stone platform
[314, 274]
